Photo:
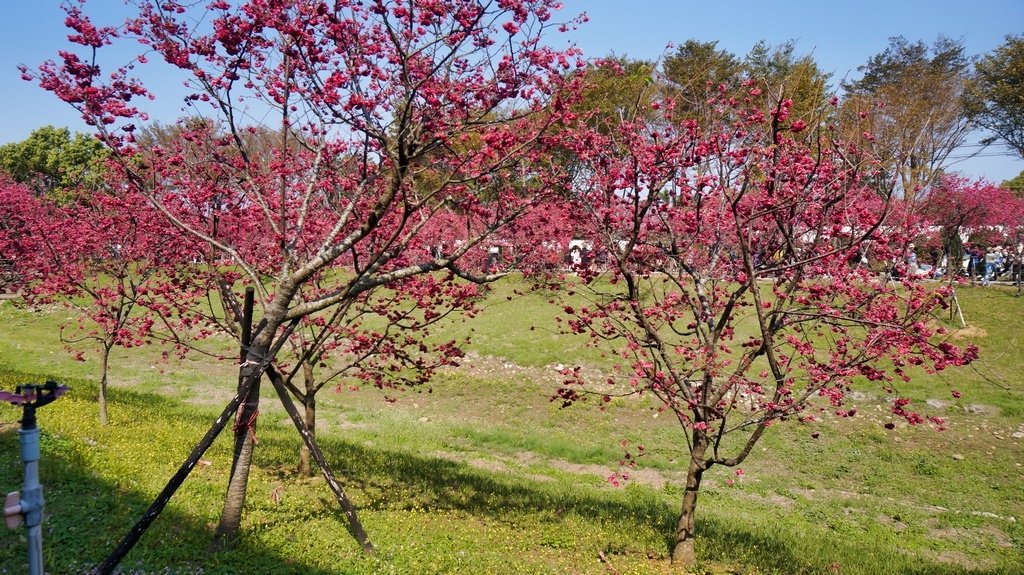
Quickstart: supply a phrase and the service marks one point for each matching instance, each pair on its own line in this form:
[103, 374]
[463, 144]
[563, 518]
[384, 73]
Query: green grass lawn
[480, 473]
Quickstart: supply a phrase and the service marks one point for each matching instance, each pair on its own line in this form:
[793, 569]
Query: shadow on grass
[408, 481]
[723, 542]
[88, 514]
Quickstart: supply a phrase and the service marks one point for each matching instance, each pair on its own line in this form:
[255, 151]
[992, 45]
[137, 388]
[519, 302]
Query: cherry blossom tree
[960, 206]
[387, 116]
[97, 256]
[735, 295]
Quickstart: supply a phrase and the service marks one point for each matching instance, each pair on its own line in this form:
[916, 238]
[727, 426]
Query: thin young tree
[96, 255]
[385, 340]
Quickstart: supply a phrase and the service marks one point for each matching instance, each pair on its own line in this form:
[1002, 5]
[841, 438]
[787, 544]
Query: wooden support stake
[325, 469]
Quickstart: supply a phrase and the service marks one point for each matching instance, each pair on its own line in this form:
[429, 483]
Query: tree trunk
[261, 351]
[1018, 269]
[954, 248]
[104, 363]
[309, 416]
[245, 434]
[683, 553]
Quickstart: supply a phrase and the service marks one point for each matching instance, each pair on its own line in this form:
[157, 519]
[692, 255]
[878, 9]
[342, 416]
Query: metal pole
[29, 503]
[246, 337]
[355, 526]
[32, 493]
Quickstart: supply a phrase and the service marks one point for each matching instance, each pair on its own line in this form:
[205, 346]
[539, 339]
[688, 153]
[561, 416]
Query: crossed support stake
[248, 385]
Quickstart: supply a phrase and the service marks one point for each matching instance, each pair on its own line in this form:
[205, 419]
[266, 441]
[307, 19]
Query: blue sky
[841, 35]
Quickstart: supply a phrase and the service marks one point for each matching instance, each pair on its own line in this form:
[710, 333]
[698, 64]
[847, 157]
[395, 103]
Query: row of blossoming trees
[408, 137]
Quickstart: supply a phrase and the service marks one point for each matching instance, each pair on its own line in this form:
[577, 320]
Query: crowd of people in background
[992, 263]
[980, 263]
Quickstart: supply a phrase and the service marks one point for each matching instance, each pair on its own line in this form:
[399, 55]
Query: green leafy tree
[999, 87]
[697, 74]
[614, 89]
[1015, 185]
[782, 74]
[55, 162]
[696, 71]
[617, 88]
[911, 107]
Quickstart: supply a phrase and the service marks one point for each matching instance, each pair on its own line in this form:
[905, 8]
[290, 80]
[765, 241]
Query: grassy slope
[481, 473]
